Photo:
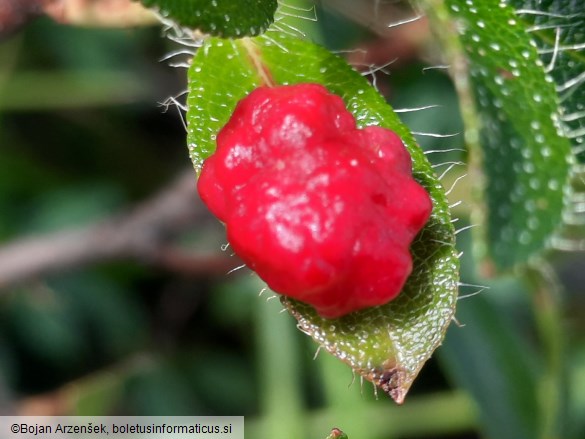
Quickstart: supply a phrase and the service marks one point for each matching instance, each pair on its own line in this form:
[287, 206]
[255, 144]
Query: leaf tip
[393, 380]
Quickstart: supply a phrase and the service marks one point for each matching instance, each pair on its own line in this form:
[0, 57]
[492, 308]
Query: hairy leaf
[388, 344]
[222, 18]
[558, 27]
[525, 156]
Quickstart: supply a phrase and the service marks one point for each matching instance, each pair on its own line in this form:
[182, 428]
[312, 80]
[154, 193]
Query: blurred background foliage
[83, 136]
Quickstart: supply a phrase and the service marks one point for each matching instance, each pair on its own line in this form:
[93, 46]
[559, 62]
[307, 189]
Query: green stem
[344, 396]
[547, 305]
[439, 414]
[280, 384]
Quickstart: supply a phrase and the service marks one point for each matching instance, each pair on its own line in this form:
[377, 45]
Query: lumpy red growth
[323, 211]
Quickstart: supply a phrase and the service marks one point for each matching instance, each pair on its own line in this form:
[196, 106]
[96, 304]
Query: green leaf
[222, 18]
[558, 28]
[524, 156]
[389, 344]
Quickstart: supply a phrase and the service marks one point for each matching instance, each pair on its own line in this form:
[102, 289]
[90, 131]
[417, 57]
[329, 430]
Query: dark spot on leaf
[392, 381]
[506, 74]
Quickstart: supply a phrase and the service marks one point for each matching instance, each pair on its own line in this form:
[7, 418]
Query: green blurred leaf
[68, 89]
[112, 318]
[46, 328]
[487, 358]
[525, 156]
[577, 379]
[157, 389]
[75, 318]
[387, 345]
[56, 210]
[223, 18]
[97, 395]
[205, 371]
[8, 364]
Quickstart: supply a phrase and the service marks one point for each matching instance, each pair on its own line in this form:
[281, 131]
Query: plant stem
[344, 396]
[439, 414]
[280, 387]
[547, 305]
